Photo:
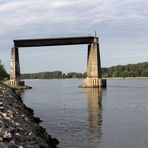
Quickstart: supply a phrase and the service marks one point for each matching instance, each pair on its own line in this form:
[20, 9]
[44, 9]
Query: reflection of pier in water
[94, 96]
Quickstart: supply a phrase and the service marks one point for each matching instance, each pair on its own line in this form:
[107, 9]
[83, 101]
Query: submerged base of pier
[19, 85]
[94, 83]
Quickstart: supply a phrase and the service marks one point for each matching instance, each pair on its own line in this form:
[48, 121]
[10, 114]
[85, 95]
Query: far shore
[127, 78]
[109, 78]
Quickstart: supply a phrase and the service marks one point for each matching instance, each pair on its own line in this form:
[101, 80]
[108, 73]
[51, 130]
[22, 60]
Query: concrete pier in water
[15, 76]
[94, 75]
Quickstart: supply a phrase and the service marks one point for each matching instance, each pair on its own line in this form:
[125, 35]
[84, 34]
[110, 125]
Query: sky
[122, 28]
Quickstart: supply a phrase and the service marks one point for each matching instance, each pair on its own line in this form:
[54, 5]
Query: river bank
[109, 78]
[18, 126]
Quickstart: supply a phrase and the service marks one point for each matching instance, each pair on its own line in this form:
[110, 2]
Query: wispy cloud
[117, 22]
[71, 15]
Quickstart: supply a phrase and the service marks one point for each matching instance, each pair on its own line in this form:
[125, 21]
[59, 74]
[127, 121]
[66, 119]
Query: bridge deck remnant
[54, 41]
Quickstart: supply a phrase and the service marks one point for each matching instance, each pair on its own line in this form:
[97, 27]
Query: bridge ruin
[94, 75]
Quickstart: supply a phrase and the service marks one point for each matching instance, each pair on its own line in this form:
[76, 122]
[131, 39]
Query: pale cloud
[120, 24]
[75, 14]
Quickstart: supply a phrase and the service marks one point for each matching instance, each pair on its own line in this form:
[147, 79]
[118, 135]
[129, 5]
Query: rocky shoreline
[18, 126]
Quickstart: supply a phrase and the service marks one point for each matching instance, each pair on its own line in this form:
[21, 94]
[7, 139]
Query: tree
[3, 73]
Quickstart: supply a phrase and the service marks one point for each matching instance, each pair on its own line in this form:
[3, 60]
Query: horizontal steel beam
[54, 41]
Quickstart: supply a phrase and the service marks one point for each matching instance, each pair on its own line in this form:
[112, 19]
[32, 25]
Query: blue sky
[122, 27]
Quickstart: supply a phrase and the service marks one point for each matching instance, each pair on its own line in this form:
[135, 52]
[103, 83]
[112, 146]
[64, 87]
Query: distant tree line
[131, 70]
[3, 73]
[52, 75]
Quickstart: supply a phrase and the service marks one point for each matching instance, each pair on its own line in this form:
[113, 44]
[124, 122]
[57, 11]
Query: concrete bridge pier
[94, 75]
[15, 76]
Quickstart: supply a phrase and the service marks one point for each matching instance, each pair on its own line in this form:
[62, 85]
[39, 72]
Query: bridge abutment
[15, 76]
[94, 75]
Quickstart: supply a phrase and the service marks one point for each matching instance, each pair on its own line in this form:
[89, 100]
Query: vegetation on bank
[130, 70]
[3, 73]
[52, 75]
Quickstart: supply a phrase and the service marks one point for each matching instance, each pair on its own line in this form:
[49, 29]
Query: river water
[115, 117]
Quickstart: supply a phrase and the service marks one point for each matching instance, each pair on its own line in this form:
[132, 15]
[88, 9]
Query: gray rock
[7, 135]
[18, 126]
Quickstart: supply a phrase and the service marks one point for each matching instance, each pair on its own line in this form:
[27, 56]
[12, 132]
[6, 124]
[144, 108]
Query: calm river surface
[116, 117]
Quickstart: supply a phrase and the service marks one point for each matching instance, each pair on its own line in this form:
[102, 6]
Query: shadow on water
[20, 93]
[94, 96]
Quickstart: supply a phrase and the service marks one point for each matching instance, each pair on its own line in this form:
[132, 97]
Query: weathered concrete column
[14, 65]
[94, 75]
[15, 77]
